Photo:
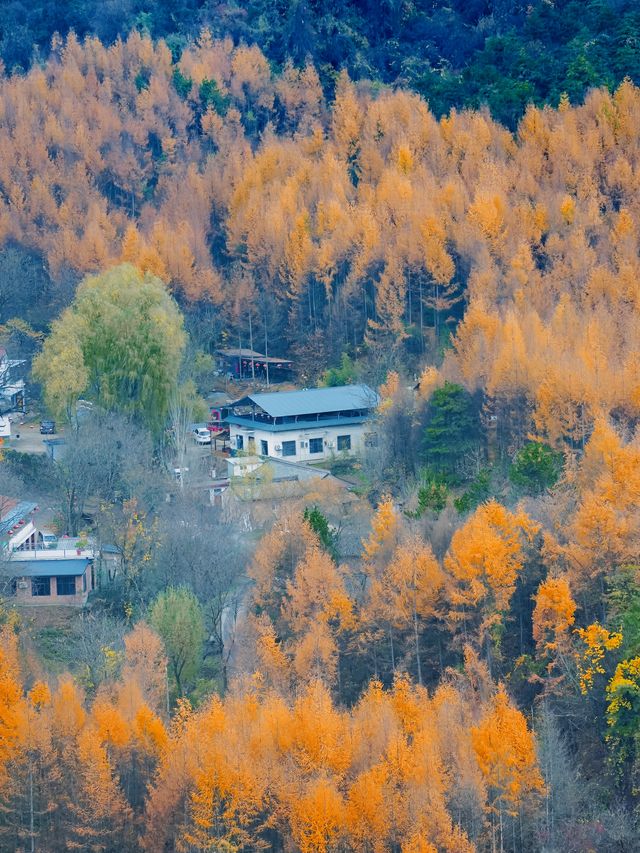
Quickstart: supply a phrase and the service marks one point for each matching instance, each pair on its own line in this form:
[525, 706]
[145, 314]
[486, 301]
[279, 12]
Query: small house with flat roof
[304, 426]
[57, 581]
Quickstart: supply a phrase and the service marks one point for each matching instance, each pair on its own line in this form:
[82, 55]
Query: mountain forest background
[442, 200]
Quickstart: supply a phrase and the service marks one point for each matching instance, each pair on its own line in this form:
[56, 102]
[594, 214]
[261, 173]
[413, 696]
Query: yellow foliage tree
[505, 750]
[482, 565]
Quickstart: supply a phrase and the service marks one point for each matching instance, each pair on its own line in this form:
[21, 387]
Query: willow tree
[120, 344]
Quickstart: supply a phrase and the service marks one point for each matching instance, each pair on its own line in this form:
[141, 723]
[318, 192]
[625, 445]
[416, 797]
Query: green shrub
[536, 467]
[182, 84]
[478, 492]
[211, 96]
[432, 495]
[317, 521]
[343, 375]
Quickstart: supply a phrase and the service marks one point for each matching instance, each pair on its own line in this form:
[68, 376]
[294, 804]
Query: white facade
[11, 389]
[310, 444]
[312, 425]
[20, 536]
[16, 523]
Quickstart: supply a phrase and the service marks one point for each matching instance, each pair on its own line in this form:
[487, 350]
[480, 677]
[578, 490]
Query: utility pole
[266, 348]
[253, 365]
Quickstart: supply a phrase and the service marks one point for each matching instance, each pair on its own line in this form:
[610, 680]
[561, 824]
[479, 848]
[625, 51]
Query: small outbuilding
[242, 364]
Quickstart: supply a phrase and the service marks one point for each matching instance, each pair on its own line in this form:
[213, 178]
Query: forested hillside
[457, 53]
[365, 219]
[446, 655]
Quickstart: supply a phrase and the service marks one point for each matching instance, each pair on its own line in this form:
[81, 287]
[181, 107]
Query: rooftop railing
[63, 548]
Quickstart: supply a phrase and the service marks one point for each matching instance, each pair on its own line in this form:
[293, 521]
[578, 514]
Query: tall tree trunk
[393, 657]
[32, 836]
[266, 349]
[417, 640]
[421, 319]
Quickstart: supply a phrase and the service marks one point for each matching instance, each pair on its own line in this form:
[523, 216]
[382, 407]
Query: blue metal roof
[297, 426]
[20, 512]
[48, 568]
[314, 401]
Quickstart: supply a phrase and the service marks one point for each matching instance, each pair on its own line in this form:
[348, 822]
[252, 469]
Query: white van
[49, 539]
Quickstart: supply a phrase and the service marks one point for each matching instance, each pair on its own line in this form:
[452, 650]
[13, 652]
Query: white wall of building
[302, 438]
[21, 535]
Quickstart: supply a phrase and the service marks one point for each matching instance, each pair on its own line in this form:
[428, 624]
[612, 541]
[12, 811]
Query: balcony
[65, 548]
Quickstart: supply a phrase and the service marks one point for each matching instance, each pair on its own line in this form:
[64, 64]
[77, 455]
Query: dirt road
[26, 438]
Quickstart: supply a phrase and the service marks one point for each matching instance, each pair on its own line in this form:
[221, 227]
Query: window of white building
[344, 442]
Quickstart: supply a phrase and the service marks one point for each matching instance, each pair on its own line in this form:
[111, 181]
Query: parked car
[202, 436]
[47, 427]
[49, 539]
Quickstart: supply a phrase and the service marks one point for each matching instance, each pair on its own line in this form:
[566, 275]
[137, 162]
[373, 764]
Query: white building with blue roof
[304, 426]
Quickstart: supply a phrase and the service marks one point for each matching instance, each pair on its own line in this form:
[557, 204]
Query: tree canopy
[177, 617]
[120, 343]
[452, 429]
[460, 53]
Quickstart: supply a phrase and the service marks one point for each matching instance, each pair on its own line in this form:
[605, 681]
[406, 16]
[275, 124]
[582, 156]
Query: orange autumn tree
[229, 792]
[145, 664]
[384, 532]
[275, 559]
[554, 613]
[506, 754]
[314, 612]
[482, 565]
[407, 592]
[133, 736]
[317, 817]
[30, 790]
[64, 792]
[12, 705]
[604, 530]
[377, 549]
[255, 770]
[100, 817]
